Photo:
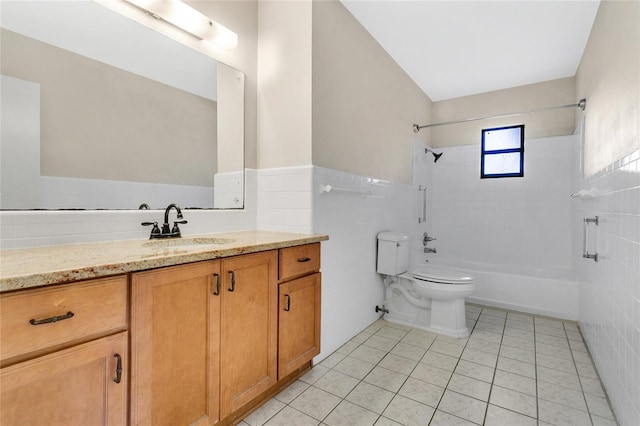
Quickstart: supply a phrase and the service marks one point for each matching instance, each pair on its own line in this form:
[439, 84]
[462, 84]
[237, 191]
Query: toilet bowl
[426, 297]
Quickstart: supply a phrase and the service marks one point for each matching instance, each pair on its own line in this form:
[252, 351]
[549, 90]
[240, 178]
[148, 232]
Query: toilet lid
[441, 275]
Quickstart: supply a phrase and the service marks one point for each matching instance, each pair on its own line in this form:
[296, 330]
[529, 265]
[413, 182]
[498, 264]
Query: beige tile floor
[514, 369]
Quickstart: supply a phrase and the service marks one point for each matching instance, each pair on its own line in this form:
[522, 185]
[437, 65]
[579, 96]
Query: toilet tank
[393, 253]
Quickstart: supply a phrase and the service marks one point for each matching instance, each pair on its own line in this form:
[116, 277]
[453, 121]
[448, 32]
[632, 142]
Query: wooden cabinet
[175, 343]
[299, 307]
[203, 339]
[209, 341]
[299, 323]
[65, 354]
[248, 335]
[76, 386]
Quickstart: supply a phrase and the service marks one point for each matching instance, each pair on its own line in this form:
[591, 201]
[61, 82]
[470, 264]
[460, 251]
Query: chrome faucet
[167, 232]
[425, 240]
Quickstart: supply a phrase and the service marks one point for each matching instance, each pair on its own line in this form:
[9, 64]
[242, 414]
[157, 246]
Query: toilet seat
[441, 276]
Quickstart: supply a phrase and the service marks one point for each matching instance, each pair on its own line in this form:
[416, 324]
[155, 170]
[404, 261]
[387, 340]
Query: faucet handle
[155, 230]
[426, 238]
[176, 229]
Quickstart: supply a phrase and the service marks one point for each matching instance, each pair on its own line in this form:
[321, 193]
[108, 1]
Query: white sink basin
[195, 241]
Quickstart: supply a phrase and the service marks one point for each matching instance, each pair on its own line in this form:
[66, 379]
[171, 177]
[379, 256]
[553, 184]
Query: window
[502, 152]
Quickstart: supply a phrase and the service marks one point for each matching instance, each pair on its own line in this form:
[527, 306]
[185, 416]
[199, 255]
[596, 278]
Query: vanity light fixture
[189, 20]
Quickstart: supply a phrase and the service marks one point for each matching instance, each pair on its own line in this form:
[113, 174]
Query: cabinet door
[175, 345]
[248, 340]
[298, 323]
[75, 386]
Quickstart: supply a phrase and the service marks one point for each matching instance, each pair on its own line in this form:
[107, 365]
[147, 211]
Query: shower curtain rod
[581, 104]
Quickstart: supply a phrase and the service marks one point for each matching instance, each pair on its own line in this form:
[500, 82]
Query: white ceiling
[459, 48]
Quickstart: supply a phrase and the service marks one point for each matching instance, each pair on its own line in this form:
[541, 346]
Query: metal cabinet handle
[585, 224]
[52, 319]
[287, 303]
[216, 291]
[304, 259]
[118, 368]
[233, 281]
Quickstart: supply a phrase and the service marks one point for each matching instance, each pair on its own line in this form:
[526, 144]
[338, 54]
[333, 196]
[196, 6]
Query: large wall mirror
[100, 112]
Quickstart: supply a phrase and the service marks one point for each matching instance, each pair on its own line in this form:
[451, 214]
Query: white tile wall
[610, 288]
[351, 288]
[513, 221]
[285, 199]
[62, 192]
[37, 228]
[291, 199]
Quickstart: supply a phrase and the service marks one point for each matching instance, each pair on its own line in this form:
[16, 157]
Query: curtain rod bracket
[582, 104]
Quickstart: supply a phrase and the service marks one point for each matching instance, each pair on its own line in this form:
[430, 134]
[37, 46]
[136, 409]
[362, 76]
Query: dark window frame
[485, 152]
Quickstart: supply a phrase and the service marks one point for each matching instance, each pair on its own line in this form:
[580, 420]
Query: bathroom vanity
[198, 331]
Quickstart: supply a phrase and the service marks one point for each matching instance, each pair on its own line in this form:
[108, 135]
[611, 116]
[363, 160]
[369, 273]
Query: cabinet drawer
[33, 320]
[300, 260]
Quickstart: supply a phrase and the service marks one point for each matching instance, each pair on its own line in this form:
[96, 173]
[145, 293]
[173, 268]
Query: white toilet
[427, 297]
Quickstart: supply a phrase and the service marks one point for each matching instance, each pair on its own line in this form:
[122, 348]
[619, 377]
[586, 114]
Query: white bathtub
[550, 292]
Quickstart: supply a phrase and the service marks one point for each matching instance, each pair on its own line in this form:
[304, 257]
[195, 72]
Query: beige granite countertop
[39, 266]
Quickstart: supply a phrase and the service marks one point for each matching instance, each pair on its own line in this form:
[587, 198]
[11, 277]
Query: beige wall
[364, 104]
[284, 88]
[609, 77]
[523, 98]
[100, 122]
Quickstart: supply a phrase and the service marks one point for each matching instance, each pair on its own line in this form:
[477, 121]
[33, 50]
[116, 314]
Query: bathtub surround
[521, 222]
[513, 233]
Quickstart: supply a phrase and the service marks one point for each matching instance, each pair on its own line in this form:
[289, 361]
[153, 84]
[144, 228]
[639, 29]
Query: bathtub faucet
[425, 240]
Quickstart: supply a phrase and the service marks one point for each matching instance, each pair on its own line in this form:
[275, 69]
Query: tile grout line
[495, 370]
[584, 395]
[452, 373]
[604, 390]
